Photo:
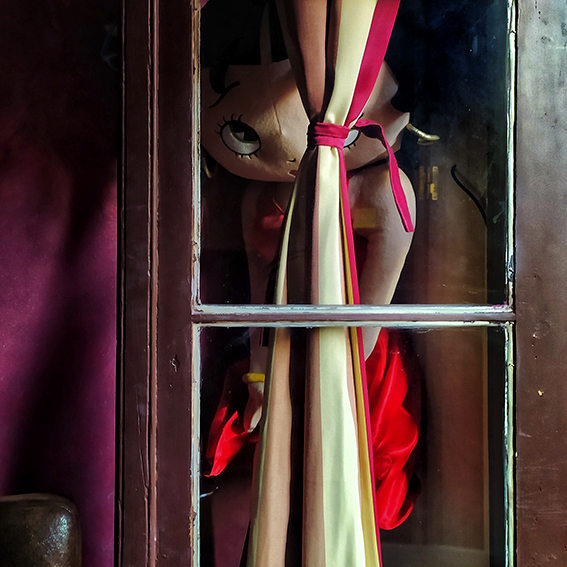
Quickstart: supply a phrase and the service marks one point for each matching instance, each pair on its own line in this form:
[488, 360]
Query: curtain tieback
[326, 134]
[334, 136]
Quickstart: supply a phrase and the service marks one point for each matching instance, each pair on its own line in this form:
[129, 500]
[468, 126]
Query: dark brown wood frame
[541, 290]
[154, 512]
[154, 515]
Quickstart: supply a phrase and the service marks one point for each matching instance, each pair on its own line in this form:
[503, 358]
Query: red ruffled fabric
[394, 397]
[227, 436]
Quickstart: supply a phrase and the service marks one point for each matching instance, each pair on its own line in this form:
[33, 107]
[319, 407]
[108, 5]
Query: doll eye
[352, 137]
[240, 138]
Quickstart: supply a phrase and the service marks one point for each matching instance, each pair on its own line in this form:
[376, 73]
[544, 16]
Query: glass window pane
[449, 60]
[453, 382]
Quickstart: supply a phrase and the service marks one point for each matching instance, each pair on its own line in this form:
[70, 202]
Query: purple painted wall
[58, 150]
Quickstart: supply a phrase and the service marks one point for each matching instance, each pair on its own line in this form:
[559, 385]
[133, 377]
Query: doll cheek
[364, 151]
[274, 168]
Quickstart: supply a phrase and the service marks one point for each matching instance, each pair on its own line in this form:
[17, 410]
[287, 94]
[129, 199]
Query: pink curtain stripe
[380, 31]
[374, 130]
[358, 343]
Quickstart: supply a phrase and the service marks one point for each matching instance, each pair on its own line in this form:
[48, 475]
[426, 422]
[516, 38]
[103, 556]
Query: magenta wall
[58, 150]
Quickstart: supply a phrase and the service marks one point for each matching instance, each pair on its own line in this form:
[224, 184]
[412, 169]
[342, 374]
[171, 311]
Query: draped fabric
[313, 499]
[394, 394]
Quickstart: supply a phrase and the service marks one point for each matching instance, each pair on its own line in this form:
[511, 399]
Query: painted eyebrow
[225, 92]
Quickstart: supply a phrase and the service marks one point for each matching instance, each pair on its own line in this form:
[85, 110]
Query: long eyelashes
[239, 137]
[351, 139]
[353, 136]
[244, 141]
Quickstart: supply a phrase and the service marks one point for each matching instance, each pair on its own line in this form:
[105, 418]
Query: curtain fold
[313, 500]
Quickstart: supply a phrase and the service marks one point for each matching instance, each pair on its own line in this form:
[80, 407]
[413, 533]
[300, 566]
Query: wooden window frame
[159, 315]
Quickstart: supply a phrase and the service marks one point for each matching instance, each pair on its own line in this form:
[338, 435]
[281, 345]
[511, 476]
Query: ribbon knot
[327, 134]
[334, 135]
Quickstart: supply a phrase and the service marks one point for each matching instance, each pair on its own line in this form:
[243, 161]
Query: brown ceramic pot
[39, 530]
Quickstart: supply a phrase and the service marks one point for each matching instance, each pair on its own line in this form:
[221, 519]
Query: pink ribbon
[334, 136]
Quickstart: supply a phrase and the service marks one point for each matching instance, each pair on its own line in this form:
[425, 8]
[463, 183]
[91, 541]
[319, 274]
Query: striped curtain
[313, 491]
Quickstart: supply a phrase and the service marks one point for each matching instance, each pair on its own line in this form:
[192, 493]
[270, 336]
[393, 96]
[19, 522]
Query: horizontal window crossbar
[357, 315]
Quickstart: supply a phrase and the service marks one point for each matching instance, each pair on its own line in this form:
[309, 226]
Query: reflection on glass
[449, 63]
[451, 510]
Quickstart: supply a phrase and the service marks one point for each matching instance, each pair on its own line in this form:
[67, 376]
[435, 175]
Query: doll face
[257, 129]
